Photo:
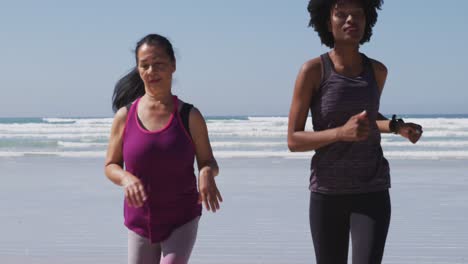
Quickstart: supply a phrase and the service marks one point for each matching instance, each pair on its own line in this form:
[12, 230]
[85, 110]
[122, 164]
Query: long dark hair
[131, 86]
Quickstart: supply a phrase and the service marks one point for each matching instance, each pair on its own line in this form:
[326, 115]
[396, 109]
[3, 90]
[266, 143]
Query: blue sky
[62, 58]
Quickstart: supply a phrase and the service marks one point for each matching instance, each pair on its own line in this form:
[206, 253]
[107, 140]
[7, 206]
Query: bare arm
[113, 168]
[307, 83]
[410, 131]
[380, 73]
[207, 165]
[204, 153]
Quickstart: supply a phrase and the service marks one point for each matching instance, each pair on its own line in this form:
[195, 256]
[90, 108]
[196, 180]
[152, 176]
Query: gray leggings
[176, 249]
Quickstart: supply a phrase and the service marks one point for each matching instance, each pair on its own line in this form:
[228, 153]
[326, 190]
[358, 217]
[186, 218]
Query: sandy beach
[64, 210]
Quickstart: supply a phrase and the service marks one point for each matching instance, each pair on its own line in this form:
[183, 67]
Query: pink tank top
[163, 160]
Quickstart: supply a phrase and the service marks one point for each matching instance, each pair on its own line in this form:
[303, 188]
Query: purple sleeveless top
[163, 161]
[347, 167]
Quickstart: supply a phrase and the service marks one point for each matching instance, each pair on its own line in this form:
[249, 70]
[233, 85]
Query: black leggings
[332, 217]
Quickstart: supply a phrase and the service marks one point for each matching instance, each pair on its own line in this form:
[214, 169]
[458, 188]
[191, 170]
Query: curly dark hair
[319, 11]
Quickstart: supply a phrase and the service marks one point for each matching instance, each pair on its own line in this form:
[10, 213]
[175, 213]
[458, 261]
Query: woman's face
[347, 22]
[155, 67]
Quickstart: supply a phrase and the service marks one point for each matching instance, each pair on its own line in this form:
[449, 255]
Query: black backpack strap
[184, 115]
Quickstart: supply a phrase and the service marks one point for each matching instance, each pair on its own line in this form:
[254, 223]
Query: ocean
[445, 137]
[57, 206]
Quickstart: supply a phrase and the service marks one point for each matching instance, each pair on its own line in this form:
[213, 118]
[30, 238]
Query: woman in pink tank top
[151, 154]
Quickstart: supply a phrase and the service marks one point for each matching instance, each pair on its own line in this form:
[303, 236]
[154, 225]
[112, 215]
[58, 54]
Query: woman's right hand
[134, 191]
[356, 129]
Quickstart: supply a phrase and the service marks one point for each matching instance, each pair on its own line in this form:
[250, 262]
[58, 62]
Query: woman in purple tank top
[350, 177]
[154, 141]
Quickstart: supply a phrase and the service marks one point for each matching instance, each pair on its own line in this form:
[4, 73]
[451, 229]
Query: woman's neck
[346, 56]
[158, 98]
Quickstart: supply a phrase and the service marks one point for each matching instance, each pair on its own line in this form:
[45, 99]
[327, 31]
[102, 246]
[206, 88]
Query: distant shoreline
[215, 117]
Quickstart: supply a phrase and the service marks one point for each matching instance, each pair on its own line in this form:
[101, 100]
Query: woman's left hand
[209, 193]
[410, 131]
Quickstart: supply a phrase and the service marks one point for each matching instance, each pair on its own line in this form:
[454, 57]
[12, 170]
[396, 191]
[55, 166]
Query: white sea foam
[446, 134]
[261, 154]
[436, 134]
[388, 154]
[244, 134]
[422, 143]
[11, 154]
[68, 144]
[59, 120]
[69, 154]
[95, 121]
[93, 136]
[252, 154]
[245, 127]
[248, 144]
[52, 128]
[440, 123]
[427, 154]
[82, 154]
[249, 137]
[79, 120]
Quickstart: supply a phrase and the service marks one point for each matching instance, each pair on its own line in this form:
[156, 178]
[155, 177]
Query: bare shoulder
[197, 125]
[196, 115]
[120, 117]
[312, 67]
[380, 73]
[121, 114]
[379, 67]
[309, 77]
